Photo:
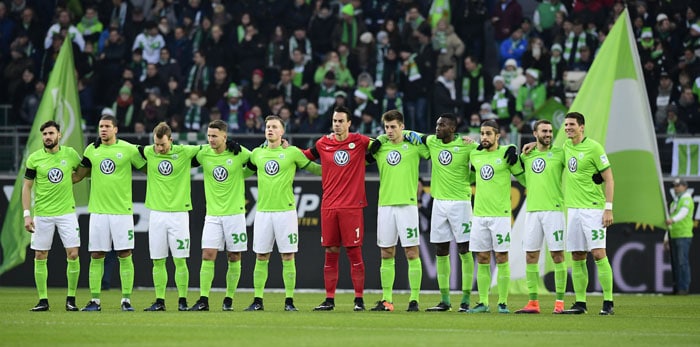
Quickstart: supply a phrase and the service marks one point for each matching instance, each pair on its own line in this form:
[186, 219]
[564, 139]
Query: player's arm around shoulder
[303, 162]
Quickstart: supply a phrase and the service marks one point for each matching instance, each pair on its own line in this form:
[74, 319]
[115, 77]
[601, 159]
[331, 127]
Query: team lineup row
[457, 163]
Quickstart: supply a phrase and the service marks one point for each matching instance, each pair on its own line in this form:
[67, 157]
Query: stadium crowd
[188, 62]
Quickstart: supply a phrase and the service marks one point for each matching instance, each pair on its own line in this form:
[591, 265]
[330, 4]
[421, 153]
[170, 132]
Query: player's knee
[234, 256]
[41, 255]
[442, 249]
[72, 253]
[125, 253]
[412, 252]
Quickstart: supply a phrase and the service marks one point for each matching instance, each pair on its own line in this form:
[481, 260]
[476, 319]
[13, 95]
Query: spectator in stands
[30, 104]
[468, 20]
[64, 27]
[576, 39]
[123, 109]
[257, 92]
[195, 116]
[672, 125]
[512, 75]
[349, 28]
[531, 95]
[513, 47]
[233, 108]
[218, 87]
[474, 86]
[418, 78]
[217, 50]
[507, 15]
[348, 60]
[661, 97]
[445, 98]
[154, 79]
[325, 94]
[249, 53]
[181, 50]
[290, 93]
[175, 97]
[544, 18]
[369, 125]
[536, 55]
[154, 110]
[290, 124]
[302, 73]
[412, 21]
[313, 123]
[150, 41]
[503, 101]
[447, 44]
[199, 76]
[300, 41]
[163, 9]
[90, 26]
[322, 23]
[392, 100]
[554, 72]
[689, 110]
[585, 60]
[31, 26]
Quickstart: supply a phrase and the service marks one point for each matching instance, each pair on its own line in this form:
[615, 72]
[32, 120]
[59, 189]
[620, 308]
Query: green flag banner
[59, 103]
[686, 157]
[613, 99]
[553, 111]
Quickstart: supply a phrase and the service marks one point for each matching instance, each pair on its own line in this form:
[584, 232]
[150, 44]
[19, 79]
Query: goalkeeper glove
[511, 156]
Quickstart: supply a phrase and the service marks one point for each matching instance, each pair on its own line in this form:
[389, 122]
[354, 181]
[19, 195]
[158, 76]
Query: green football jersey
[224, 175]
[450, 169]
[276, 170]
[53, 185]
[493, 184]
[168, 184]
[543, 172]
[584, 160]
[684, 227]
[398, 172]
[110, 176]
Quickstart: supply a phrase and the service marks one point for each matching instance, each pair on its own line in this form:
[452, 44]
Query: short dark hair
[445, 68]
[48, 124]
[580, 120]
[162, 129]
[491, 123]
[110, 118]
[343, 109]
[451, 116]
[391, 115]
[218, 124]
[540, 122]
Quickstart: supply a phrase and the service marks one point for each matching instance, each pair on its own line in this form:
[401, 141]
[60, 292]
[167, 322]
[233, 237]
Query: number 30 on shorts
[239, 238]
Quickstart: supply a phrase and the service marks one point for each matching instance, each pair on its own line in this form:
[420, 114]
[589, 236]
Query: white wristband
[608, 206]
[27, 213]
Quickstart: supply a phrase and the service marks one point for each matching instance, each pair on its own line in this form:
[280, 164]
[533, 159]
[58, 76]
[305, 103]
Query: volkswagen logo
[393, 158]
[445, 157]
[55, 175]
[538, 165]
[341, 158]
[272, 167]
[573, 164]
[220, 173]
[165, 167]
[107, 166]
[486, 172]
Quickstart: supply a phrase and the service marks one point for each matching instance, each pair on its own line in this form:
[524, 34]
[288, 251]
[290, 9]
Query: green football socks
[233, 275]
[289, 277]
[579, 275]
[443, 277]
[483, 282]
[532, 276]
[560, 279]
[260, 277]
[467, 275]
[160, 277]
[97, 269]
[41, 274]
[206, 276]
[182, 276]
[415, 275]
[126, 274]
[72, 274]
[605, 276]
[387, 273]
[503, 282]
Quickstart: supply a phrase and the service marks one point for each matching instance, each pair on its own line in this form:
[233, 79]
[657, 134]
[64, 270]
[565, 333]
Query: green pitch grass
[640, 320]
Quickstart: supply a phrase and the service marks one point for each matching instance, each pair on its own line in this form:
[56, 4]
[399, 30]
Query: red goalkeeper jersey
[343, 176]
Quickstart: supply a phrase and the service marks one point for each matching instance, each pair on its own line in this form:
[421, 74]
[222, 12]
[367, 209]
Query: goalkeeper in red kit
[342, 156]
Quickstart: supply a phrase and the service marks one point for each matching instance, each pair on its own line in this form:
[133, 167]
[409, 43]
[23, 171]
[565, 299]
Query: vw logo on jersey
[341, 158]
[55, 175]
[220, 173]
[272, 167]
[393, 158]
[573, 164]
[538, 165]
[445, 157]
[165, 167]
[486, 172]
[107, 166]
